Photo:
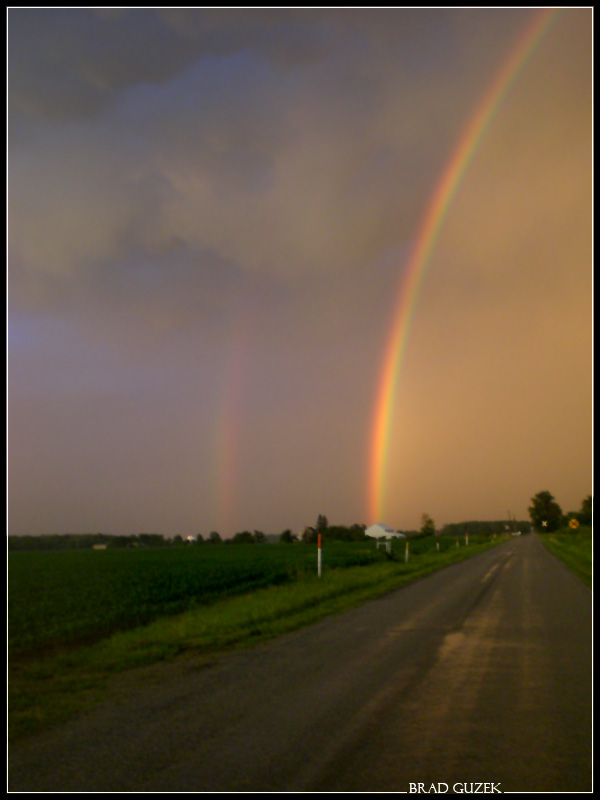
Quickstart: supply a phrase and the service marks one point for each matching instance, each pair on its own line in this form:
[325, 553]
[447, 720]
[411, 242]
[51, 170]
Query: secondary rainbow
[428, 232]
[228, 421]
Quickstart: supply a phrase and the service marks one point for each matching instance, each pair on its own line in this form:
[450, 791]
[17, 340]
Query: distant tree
[427, 525]
[214, 538]
[120, 542]
[309, 535]
[244, 537]
[287, 536]
[322, 523]
[354, 533]
[151, 539]
[479, 528]
[585, 515]
[545, 513]
[259, 537]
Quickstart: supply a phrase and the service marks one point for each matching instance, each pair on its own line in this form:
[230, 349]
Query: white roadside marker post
[319, 540]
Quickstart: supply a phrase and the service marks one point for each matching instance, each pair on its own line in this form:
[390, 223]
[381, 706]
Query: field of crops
[73, 596]
[70, 596]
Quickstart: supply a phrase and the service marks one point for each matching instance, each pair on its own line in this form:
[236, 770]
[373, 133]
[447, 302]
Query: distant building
[380, 531]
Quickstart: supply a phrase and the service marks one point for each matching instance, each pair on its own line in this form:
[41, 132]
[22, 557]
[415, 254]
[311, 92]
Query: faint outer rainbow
[228, 423]
[425, 242]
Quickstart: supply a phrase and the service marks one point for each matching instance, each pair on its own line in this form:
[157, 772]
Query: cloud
[286, 172]
[227, 163]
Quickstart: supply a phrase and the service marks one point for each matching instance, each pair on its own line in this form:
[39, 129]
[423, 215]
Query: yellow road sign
[573, 524]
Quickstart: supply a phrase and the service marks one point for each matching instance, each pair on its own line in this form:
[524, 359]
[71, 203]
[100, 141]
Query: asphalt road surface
[478, 674]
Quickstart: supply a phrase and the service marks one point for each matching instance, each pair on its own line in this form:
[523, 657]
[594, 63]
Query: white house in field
[380, 531]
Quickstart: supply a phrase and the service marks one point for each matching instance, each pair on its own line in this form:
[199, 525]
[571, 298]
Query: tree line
[85, 541]
[545, 513]
[476, 528]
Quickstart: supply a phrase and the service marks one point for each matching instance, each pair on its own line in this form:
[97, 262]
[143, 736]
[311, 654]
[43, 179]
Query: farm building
[380, 531]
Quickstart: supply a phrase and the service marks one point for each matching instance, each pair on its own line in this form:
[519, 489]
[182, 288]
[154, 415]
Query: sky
[211, 215]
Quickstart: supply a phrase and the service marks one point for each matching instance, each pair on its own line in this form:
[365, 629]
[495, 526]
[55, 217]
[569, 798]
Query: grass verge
[574, 549]
[58, 685]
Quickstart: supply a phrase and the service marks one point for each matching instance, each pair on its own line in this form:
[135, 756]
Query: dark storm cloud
[68, 62]
[288, 143]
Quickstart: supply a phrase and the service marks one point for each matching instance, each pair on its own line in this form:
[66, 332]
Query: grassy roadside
[53, 687]
[574, 549]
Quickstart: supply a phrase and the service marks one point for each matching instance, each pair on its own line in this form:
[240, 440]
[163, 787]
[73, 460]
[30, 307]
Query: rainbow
[227, 427]
[427, 236]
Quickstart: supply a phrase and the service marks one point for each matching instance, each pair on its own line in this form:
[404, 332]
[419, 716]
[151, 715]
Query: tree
[427, 525]
[585, 515]
[322, 523]
[287, 536]
[244, 537]
[214, 538]
[545, 512]
[309, 535]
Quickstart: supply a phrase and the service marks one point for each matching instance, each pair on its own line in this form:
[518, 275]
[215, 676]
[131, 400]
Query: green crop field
[67, 597]
[70, 596]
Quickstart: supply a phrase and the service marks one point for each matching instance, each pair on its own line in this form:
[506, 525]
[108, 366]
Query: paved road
[480, 673]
